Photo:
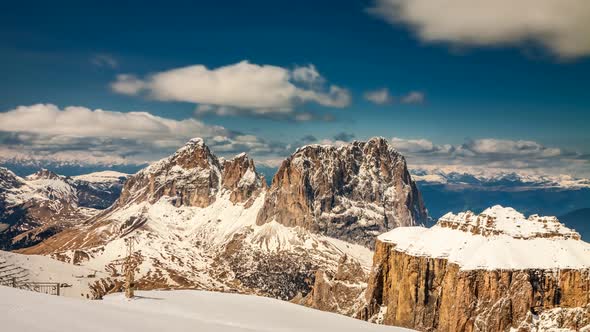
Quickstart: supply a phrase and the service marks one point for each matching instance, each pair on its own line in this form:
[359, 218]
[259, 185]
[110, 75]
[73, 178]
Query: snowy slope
[75, 279]
[217, 247]
[101, 177]
[498, 238]
[168, 311]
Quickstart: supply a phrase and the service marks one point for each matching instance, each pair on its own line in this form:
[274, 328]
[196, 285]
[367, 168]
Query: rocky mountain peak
[352, 192]
[8, 179]
[194, 154]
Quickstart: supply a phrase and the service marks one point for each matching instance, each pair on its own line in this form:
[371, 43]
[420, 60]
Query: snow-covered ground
[45, 269]
[167, 311]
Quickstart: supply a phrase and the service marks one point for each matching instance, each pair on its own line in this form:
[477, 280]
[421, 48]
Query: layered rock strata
[495, 271]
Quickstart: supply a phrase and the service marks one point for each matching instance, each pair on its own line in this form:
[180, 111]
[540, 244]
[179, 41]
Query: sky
[452, 84]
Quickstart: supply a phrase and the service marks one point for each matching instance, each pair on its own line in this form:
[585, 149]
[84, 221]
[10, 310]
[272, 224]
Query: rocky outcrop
[430, 287]
[340, 292]
[353, 192]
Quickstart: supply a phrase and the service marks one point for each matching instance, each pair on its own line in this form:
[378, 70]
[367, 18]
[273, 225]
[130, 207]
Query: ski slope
[183, 310]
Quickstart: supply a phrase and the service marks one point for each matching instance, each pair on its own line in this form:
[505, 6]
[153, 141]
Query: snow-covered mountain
[44, 203]
[493, 271]
[199, 221]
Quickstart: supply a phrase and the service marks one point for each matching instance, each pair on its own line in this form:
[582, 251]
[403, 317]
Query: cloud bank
[561, 26]
[77, 134]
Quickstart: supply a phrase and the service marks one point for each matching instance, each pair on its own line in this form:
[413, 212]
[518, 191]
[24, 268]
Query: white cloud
[414, 97]
[104, 60]
[489, 153]
[307, 74]
[510, 147]
[559, 25]
[413, 145]
[486, 155]
[79, 134]
[83, 122]
[242, 86]
[383, 97]
[127, 84]
[379, 96]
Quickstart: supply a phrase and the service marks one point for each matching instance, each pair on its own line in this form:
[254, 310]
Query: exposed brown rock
[339, 292]
[241, 180]
[431, 294]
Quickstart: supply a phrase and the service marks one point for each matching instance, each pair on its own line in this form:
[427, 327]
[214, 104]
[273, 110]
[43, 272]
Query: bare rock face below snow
[352, 193]
[489, 272]
[340, 292]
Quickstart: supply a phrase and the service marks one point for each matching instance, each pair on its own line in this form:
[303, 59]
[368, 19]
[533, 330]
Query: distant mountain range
[498, 181]
[454, 192]
[23, 168]
[42, 204]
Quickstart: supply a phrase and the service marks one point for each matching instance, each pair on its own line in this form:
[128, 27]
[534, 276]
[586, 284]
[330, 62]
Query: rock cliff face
[353, 192]
[240, 178]
[489, 272]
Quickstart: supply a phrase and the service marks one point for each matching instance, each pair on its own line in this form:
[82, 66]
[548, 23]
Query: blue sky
[515, 86]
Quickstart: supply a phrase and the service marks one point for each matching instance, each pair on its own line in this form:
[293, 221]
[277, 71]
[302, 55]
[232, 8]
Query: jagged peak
[242, 155]
[194, 154]
[499, 220]
[192, 145]
[43, 174]
[376, 141]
